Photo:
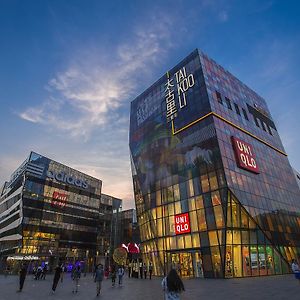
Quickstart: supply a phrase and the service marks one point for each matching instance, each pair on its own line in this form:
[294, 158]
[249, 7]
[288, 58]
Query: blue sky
[69, 69]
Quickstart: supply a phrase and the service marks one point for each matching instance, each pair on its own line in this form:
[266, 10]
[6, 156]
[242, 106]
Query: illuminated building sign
[26, 257]
[183, 83]
[245, 155]
[68, 179]
[182, 223]
[59, 199]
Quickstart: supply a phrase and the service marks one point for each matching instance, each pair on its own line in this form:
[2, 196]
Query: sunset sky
[69, 70]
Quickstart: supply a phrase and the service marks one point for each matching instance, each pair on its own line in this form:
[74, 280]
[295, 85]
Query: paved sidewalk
[275, 288]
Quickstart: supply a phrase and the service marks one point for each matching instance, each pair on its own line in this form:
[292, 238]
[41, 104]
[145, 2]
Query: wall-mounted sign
[183, 83]
[68, 179]
[59, 199]
[182, 223]
[245, 155]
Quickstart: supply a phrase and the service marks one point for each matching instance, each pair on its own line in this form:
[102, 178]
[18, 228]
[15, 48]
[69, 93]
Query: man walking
[150, 270]
[99, 274]
[56, 278]
[23, 273]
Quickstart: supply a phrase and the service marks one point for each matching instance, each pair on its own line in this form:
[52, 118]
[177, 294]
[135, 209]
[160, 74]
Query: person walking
[150, 270]
[56, 278]
[99, 274]
[130, 269]
[113, 275]
[172, 286]
[296, 270]
[76, 277]
[23, 273]
[44, 272]
[141, 269]
[120, 274]
[145, 270]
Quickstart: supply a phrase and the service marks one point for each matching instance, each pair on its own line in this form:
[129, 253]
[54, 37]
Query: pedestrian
[296, 270]
[44, 272]
[99, 274]
[141, 269]
[130, 269]
[76, 277]
[113, 275]
[23, 273]
[56, 277]
[150, 270]
[38, 273]
[172, 286]
[120, 274]
[145, 270]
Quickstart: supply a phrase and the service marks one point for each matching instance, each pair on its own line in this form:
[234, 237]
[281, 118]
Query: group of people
[139, 269]
[40, 272]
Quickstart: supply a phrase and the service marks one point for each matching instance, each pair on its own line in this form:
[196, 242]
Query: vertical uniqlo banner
[182, 223]
[245, 155]
[59, 199]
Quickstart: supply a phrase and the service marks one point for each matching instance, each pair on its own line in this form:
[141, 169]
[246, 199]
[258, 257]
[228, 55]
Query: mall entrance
[188, 264]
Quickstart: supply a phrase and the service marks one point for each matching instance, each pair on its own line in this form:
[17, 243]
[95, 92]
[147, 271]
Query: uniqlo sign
[182, 223]
[245, 155]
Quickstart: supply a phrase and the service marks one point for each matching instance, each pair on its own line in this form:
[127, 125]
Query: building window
[237, 109]
[263, 125]
[256, 121]
[269, 129]
[228, 102]
[245, 114]
[219, 97]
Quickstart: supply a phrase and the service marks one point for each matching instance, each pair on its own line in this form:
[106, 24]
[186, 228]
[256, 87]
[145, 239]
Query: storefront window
[216, 261]
[254, 261]
[246, 261]
[237, 261]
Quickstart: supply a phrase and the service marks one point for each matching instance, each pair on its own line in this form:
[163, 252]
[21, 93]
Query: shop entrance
[187, 264]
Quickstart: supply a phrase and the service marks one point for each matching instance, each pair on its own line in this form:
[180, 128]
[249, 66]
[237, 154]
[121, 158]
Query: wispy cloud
[83, 96]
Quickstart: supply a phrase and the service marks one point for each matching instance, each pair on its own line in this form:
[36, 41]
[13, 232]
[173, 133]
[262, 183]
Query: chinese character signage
[177, 85]
[59, 199]
[245, 155]
[182, 223]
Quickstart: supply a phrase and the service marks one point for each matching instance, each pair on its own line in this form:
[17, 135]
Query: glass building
[51, 212]
[215, 194]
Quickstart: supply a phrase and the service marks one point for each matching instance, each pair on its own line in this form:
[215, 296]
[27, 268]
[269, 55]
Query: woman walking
[113, 275]
[172, 286]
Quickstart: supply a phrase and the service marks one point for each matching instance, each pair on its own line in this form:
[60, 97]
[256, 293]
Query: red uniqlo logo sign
[182, 223]
[245, 155]
[59, 199]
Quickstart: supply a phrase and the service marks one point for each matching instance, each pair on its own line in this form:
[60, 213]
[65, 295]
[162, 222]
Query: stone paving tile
[275, 288]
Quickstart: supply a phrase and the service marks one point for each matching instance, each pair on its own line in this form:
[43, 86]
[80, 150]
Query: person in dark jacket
[99, 275]
[23, 273]
[56, 277]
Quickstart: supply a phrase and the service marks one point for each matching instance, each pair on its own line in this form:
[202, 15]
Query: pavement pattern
[274, 287]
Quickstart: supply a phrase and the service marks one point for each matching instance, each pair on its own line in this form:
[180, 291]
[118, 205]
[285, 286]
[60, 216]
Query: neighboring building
[214, 191]
[110, 224]
[51, 212]
[129, 232]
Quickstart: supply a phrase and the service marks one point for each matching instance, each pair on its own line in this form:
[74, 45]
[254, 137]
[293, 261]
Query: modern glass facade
[50, 212]
[215, 193]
